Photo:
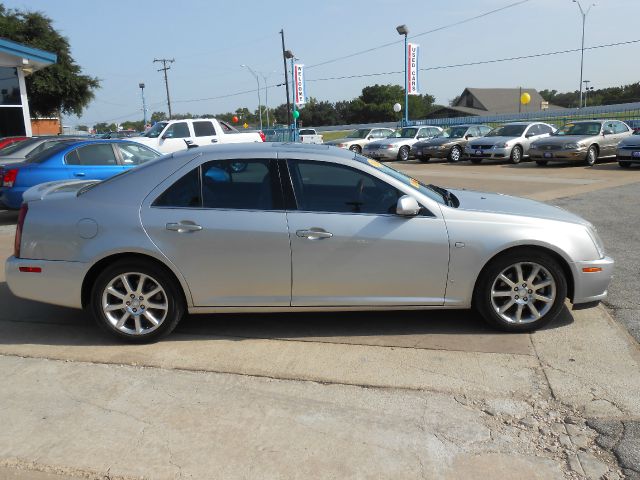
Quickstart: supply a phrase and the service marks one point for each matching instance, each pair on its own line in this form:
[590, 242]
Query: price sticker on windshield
[414, 183]
[374, 163]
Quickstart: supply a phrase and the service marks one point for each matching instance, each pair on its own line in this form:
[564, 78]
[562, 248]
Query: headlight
[501, 145]
[534, 145]
[444, 147]
[597, 241]
[571, 146]
[388, 146]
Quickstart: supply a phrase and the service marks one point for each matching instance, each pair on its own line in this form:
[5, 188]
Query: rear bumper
[11, 198]
[592, 286]
[58, 283]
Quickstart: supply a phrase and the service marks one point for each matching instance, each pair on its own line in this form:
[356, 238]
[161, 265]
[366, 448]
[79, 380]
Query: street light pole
[266, 94]
[403, 30]
[586, 91]
[584, 14]
[258, 82]
[144, 106]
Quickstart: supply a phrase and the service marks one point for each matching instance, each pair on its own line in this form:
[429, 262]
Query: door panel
[368, 260]
[239, 258]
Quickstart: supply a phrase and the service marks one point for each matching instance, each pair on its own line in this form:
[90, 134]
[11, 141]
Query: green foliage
[60, 87]
[158, 117]
[605, 96]
[104, 127]
[138, 126]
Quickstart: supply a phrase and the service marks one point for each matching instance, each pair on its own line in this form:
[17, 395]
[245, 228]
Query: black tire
[516, 155]
[455, 154]
[592, 156]
[477, 161]
[624, 164]
[542, 163]
[403, 154]
[171, 296]
[482, 297]
[355, 148]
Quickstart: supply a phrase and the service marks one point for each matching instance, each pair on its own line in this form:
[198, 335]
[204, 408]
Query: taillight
[262, 136]
[9, 177]
[21, 216]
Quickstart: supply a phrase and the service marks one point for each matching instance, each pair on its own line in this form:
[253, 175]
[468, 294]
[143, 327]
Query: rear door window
[203, 129]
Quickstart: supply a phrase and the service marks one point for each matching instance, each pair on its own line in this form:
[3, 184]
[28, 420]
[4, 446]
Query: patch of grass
[328, 136]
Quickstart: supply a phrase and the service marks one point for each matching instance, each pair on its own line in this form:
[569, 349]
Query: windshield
[507, 131]
[583, 128]
[454, 132]
[362, 133]
[404, 133]
[155, 131]
[408, 181]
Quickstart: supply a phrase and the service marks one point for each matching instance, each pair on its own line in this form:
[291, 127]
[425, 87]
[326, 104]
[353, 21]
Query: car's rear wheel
[403, 154]
[624, 164]
[137, 301]
[455, 155]
[476, 160]
[516, 154]
[355, 148]
[541, 163]
[521, 291]
[592, 156]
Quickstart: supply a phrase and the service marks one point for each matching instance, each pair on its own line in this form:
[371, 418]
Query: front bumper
[592, 286]
[382, 154]
[58, 283]
[492, 152]
[422, 152]
[628, 155]
[563, 155]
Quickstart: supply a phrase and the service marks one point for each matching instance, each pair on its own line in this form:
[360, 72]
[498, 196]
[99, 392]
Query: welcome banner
[298, 81]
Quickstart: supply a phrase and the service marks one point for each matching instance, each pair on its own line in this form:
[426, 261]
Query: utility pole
[583, 14]
[164, 68]
[286, 77]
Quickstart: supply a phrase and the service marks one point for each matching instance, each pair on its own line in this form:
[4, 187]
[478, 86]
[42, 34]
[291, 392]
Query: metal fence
[625, 111]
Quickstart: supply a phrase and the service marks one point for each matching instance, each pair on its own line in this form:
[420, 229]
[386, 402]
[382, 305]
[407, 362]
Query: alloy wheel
[523, 293]
[135, 303]
[455, 154]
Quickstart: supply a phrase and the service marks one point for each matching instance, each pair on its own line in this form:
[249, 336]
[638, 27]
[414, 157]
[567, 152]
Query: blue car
[85, 159]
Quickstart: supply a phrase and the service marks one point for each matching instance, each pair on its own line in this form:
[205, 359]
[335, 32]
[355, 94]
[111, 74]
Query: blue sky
[117, 42]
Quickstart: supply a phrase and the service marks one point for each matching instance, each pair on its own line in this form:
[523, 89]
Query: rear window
[48, 153]
[9, 149]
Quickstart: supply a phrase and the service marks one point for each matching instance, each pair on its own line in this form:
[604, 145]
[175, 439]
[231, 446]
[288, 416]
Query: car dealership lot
[399, 394]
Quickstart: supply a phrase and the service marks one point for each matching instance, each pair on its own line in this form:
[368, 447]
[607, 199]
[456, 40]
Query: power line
[455, 24]
[482, 62]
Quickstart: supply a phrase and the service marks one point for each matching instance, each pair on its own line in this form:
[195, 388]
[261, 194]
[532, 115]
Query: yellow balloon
[525, 98]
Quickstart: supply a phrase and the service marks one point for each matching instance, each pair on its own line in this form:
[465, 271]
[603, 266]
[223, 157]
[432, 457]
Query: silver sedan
[291, 227]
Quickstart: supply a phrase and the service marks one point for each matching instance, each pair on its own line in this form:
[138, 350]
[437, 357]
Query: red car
[9, 140]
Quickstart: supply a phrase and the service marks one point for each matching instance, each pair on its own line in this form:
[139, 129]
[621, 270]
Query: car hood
[562, 139]
[506, 204]
[437, 141]
[632, 140]
[492, 140]
[342, 140]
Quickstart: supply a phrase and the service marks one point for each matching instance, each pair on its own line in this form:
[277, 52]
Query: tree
[158, 117]
[60, 87]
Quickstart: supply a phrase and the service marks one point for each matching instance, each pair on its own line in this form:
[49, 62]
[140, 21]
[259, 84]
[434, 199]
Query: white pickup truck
[173, 135]
[309, 135]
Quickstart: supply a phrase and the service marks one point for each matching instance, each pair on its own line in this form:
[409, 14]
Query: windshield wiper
[450, 199]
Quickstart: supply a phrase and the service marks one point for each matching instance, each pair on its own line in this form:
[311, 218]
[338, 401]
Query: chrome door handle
[79, 174]
[314, 234]
[214, 140]
[183, 227]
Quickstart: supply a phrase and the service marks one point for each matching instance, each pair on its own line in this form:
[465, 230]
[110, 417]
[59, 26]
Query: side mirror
[468, 136]
[407, 206]
[530, 134]
[369, 137]
[607, 131]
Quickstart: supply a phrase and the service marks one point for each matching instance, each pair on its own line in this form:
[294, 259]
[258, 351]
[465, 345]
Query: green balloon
[296, 114]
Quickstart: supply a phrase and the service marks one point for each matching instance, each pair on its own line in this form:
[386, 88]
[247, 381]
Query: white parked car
[174, 135]
[309, 135]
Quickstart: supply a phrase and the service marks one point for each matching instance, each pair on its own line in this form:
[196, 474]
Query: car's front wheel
[521, 291]
[455, 155]
[592, 156]
[516, 154]
[137, 301]
[403, 154]
[355, 148]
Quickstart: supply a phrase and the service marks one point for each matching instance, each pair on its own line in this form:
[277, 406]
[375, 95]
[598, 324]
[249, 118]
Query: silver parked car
[20, 151]
[629, 150]
[397, 146]
[584, 141]
[449, 144]
[510, 141]
[298, 228]
[357, 139]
